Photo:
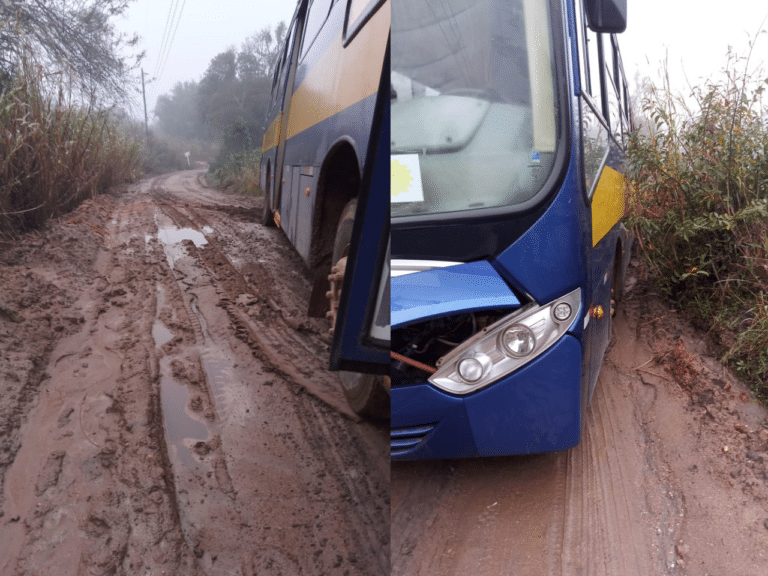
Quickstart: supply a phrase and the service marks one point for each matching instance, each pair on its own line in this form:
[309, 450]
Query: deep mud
[164, 402]
[671, 477]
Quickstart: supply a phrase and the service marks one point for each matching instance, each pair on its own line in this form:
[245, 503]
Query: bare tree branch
[72, 36]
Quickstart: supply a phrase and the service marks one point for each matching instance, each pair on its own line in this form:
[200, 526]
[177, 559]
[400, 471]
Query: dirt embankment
[671, 477]
[164, 403]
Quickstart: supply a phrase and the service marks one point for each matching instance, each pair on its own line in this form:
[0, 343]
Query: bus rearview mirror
[607, 15]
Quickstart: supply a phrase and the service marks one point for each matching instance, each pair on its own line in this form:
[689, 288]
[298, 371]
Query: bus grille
[403, 440]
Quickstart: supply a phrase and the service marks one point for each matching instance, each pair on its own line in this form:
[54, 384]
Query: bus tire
[267, 217]
[365, 393]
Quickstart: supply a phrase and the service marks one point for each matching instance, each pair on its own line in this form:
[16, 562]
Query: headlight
[506, 345]
[470, 369]
[518, 341]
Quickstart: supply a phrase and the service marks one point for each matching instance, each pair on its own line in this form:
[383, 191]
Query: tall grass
[237, 164]
[55, 153]
[699, 205]
[238, 172]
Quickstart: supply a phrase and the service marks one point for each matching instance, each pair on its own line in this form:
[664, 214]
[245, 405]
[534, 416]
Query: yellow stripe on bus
[272, 135]
[342, 76]
[607, 203]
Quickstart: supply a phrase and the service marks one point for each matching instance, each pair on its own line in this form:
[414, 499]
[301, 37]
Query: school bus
[325, 178]
[509, 122]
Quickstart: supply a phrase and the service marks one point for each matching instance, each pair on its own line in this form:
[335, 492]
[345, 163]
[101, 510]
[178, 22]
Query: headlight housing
[506, 345]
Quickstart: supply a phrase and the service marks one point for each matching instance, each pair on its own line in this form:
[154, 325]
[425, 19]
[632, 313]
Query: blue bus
[324, 178]
[509, 120]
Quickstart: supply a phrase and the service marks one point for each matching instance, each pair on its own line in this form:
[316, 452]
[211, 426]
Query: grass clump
[237, 164]
[699, 206]
[55, 153]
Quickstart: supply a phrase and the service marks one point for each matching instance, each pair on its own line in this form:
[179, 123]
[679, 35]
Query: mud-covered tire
[267, 217]
[365, 393]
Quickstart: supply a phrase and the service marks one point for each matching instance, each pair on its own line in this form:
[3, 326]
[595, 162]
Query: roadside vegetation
[227, 110]
[64, 72]
[55, 153]
[699, 208]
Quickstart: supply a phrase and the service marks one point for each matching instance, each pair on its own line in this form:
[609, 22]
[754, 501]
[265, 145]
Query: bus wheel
[267, 217]
[366, 393]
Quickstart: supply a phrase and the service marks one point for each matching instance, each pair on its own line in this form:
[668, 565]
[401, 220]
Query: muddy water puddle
[172, 237]
[161, 334]
[181, 430]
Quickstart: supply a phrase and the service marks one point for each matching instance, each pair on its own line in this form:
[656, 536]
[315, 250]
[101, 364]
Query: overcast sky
[205, 29]
[694, 35]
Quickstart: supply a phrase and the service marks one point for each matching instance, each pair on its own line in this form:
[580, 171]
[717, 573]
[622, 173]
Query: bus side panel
[304, 213]
[308, 150]
[334, 100]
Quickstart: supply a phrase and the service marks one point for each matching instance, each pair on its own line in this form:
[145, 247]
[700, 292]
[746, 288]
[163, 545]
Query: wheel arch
[338, 183]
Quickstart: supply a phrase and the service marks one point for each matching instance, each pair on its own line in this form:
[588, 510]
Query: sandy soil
[671, 477]
[164, 403]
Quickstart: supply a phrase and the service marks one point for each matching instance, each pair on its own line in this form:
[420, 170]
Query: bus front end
[500, 296]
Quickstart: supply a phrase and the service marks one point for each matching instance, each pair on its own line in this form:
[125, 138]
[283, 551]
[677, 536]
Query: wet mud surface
[671, 477]
[164, 402]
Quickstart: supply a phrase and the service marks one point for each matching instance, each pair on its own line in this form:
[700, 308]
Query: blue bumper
[535, 409]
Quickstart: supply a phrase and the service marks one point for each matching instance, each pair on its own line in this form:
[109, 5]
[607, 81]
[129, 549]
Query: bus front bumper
[535, 409]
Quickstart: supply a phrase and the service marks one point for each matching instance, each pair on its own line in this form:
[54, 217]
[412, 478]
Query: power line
[168, 52]
[167, 44]
[171, 15]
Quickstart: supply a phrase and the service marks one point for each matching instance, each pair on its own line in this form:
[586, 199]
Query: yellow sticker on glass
[405, 177]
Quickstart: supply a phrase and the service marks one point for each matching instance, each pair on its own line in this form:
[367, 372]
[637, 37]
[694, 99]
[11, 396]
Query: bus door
[361, 338]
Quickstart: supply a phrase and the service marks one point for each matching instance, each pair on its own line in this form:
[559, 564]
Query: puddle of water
[207, 230]
[173, 235]
[180, 427]
[161, 334]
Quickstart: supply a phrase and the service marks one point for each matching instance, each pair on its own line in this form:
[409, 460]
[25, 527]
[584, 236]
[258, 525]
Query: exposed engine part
[426, 342]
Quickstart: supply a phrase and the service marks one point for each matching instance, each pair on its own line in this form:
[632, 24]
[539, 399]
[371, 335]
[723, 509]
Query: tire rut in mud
[103, 499]
[333, 469]
[283, 337]
[269, 481]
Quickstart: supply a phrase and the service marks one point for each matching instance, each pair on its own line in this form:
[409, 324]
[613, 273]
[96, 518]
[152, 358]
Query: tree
[71, 36]
[235, 90]
[258, 54]
[177, 113]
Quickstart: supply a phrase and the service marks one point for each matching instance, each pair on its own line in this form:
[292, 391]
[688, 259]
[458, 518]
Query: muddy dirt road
[164, 403]
[671, 477]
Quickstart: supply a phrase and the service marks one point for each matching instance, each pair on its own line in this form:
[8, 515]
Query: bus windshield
[473, 100]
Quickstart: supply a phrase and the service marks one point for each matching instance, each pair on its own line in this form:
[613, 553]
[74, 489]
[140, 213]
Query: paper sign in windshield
[405, 175]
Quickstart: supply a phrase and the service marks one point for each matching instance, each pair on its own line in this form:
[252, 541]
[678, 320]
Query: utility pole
[144, 94]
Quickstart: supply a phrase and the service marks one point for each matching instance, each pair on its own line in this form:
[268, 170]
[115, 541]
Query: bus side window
[589, 58]
[594, 126]
[613, 94]
[316, 16]
[281, 69]
[621, 88]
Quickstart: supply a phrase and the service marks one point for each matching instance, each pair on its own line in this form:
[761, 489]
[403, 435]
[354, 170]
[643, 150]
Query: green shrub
[699, 206]
[237, 165]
